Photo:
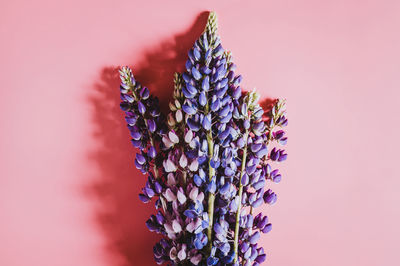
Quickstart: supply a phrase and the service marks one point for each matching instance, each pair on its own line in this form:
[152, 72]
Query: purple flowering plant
[208, 161]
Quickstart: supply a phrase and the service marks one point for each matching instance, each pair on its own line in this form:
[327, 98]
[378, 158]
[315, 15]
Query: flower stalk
[240, 195]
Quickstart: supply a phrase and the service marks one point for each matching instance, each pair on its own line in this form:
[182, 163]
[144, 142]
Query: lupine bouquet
[208, 161]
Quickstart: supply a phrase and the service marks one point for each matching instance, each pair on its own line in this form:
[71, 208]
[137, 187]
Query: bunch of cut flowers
[208, 161]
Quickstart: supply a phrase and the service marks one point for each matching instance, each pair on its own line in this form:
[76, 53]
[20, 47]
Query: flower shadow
[119, 213]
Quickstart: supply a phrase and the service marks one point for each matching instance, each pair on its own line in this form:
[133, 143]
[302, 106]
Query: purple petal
[196, 73]
[205, 85]
[141, 107]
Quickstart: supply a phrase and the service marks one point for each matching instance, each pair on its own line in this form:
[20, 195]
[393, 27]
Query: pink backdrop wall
[68, 187]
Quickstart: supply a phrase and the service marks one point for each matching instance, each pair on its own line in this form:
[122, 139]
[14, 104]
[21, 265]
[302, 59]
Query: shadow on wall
[121, 215]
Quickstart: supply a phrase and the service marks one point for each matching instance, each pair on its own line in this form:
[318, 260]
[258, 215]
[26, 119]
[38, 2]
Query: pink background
[68, 186]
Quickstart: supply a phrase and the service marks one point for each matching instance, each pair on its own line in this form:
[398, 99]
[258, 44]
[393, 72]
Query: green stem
[211, 196]
[236, 239]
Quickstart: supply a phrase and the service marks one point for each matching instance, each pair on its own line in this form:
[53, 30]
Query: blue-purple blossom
[208, 161]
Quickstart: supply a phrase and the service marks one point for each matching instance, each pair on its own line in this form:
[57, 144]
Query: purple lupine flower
[208, 161]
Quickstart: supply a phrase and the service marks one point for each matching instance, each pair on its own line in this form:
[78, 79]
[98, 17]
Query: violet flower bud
[270, 197]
